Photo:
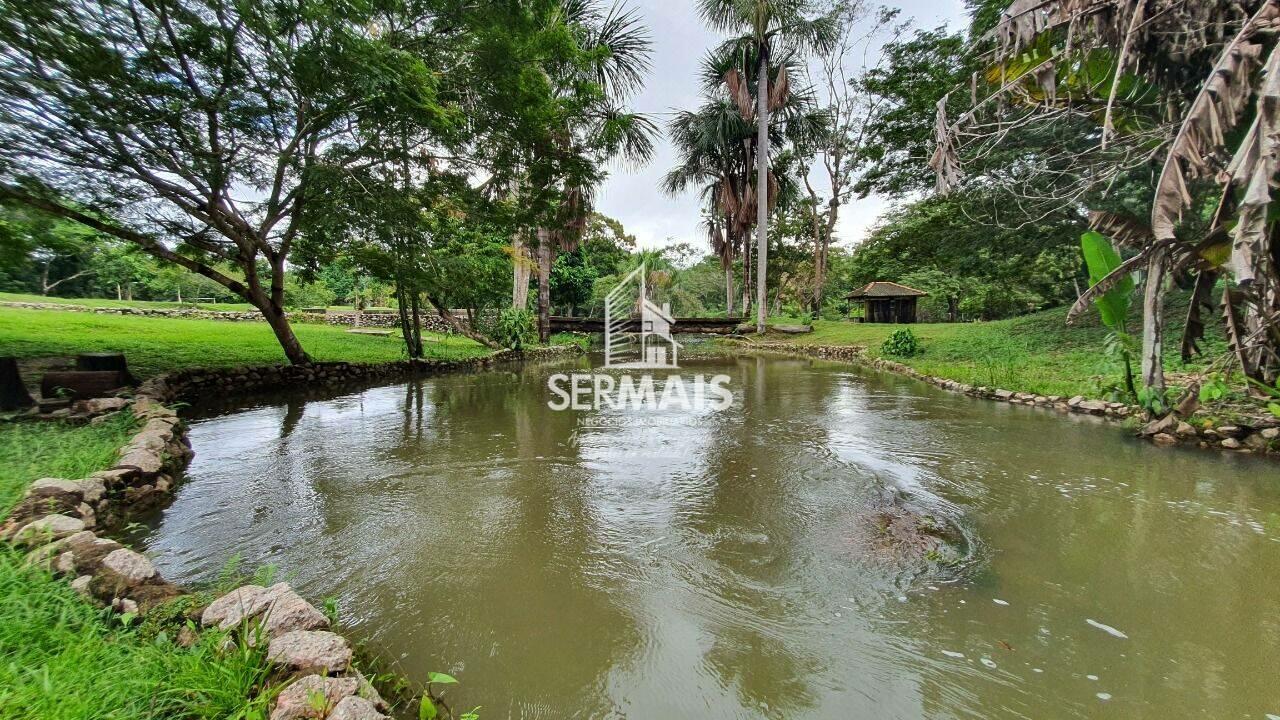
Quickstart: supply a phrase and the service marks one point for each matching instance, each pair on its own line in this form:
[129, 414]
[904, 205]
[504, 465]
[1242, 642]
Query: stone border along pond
[62, 524]
[1169, 431]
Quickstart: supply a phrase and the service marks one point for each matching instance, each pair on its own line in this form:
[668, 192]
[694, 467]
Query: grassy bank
[155, 345]
[1036, 353]
[62, 658]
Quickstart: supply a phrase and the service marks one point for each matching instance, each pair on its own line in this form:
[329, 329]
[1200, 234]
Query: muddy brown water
[700, 564]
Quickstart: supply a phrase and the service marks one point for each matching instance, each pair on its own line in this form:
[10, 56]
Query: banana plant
[1112, 303]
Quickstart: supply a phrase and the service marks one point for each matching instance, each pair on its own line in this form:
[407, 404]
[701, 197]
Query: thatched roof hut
[887, 302]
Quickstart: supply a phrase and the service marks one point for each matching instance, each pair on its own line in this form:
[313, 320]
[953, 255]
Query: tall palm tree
[594, 128]
[717, 147]
[765, 29]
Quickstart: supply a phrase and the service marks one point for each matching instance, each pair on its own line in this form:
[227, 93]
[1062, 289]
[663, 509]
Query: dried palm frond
[945, 161]
[1232, 305]
[1201, 304]
[1215, 110]
[1108, 283]
[1254, 168]
[740, 93]
[728, 197]
[1124, 229]
[780, 89]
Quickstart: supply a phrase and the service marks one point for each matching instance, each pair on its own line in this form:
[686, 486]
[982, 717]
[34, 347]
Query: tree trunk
[279, 322]
[415, 303]
[13, 393]
[519, 272]
[746, 278]
[119, 292]
[762, 189]
[1153, 321]
[128, 291]
[544, 286]
[461, 328]
[728, 289]
[406, 333]
[44, 278]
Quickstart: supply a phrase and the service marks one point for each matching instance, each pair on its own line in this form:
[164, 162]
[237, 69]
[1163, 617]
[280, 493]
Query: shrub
[514, 328]
[902, 343]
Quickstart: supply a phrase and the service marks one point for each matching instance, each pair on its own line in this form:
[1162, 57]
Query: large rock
[1256, 442]
[58, 485]
[134, 568]
[88, 551]
[369, 692]
[1097, 407]
[46, 500]
[47, 528]
[280, 608]
[145, 461]
[233, 608]
[356, 708]
[98, 406]
[312, 696]
[792, 329]
[287, 611]
[81, 584]
[312, 651]
[154, 594]
[91, 489]
[1165, 425]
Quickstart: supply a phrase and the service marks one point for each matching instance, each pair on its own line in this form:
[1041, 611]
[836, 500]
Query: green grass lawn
[61, 658]
[1035, 353]
[154, 345]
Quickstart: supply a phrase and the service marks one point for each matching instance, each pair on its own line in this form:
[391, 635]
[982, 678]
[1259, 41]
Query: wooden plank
[82, 384]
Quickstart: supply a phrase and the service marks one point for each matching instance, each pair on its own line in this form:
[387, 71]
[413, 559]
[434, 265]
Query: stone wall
[62, 523]
[233, 316]
[1262, 437]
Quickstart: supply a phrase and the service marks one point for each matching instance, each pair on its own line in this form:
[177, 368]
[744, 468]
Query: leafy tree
[119, 268]
[914, 75]
[571, 281]
[1100, 90]
[841, 148]
[590, 126]
[44, 251]
[190, 127]
[942, 245]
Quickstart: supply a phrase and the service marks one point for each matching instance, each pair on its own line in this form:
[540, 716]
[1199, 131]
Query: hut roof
[884, 290]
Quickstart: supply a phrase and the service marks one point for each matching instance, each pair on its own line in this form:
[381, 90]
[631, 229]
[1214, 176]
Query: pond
[589, 564]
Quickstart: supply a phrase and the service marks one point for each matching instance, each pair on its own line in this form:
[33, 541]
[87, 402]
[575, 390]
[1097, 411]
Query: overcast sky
[679, 42]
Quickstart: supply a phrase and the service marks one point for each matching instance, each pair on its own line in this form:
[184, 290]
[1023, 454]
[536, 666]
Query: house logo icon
[645, 341]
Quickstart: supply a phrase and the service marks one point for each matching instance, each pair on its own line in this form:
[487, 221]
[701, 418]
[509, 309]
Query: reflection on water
[586, 565]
